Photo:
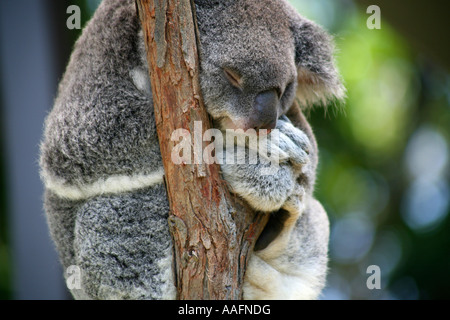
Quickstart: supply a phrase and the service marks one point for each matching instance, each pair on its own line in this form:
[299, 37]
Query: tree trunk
[213, 233]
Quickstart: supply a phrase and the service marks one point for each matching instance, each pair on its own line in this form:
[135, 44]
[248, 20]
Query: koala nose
[265, 112]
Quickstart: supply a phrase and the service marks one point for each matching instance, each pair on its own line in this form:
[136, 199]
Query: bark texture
[213, 232]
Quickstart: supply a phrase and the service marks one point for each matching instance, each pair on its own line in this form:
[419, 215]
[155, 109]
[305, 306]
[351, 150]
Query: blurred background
[384, 155]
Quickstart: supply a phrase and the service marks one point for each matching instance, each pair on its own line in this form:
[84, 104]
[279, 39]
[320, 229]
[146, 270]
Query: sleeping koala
[105, 199]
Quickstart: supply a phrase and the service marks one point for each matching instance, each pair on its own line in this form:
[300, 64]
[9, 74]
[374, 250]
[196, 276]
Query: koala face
[252, 53]
[248, 72]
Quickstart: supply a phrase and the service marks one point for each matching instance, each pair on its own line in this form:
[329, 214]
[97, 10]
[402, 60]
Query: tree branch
[213, 233]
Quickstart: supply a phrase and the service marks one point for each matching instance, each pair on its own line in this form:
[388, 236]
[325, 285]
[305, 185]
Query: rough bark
[213, 232]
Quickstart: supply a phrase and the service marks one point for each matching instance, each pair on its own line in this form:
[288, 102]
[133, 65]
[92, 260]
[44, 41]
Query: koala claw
[294, 142]
[294, 204]
[296, 135]
[297, 155]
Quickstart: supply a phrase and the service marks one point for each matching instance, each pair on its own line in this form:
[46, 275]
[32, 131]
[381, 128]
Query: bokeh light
[384, 161]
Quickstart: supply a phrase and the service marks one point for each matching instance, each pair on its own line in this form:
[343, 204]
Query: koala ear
[319, 82]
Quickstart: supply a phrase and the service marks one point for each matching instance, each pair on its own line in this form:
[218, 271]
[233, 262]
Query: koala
[105, 199]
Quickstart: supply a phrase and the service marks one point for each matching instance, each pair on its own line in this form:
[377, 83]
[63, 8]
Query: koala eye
[233, 78]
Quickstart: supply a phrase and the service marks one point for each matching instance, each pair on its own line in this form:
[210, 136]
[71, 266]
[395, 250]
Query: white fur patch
[111, 185]
[312, 90]
[168, 289]
[141, 80]
[265, 282]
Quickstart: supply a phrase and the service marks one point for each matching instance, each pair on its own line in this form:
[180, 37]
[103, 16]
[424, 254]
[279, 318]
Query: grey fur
[102, 128]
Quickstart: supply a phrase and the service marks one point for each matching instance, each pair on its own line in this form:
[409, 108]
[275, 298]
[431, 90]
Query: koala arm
[294, 265]
[290, 257]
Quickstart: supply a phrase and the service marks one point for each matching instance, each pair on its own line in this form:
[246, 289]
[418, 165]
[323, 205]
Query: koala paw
[263, 192]
[293, 141]
[294, 204]
[266, 186]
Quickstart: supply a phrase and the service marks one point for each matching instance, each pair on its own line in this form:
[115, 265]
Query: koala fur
[105, 199]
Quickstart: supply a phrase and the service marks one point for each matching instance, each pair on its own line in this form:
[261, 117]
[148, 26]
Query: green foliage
[383, 175]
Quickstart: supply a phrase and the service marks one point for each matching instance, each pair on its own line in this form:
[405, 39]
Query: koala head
[256, 56]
